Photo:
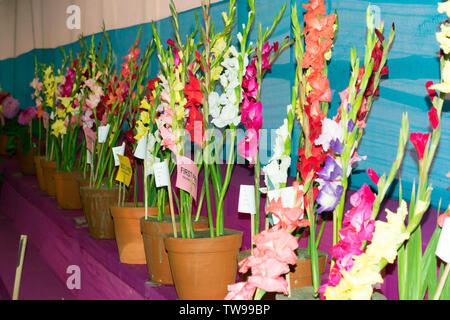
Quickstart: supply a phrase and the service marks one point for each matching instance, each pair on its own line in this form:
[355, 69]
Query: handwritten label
[125, 171]
[91, 137]
[118, 151]
[247, 200]
[103, 133]
[187, 176]
[161, 173]
[443, 247]
[141, 149]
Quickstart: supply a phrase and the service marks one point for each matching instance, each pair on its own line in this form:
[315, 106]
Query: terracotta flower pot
[128, 231]
[3, 143]
[96, 205]
[68, 190]
[26, 161]
[300, 274]
[49, 170]
[39, 172]
[203, 268]
[153, 234]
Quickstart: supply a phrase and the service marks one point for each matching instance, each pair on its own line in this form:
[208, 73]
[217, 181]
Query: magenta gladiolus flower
[248, 147]
[420, 141]
[251, 117]
[27, 116]
[373, 176]
[357, 228]
[433, 117]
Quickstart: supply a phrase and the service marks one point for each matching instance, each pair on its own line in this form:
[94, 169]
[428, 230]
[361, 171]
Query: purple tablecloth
[62, 243]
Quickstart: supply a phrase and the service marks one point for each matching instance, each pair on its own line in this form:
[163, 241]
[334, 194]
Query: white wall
[28, 24]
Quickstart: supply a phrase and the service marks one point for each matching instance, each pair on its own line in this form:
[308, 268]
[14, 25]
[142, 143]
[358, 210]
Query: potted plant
[326, 146]
[8, 117]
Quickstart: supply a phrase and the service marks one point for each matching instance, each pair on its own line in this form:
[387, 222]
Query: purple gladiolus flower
[351, 126]
[337, 146]
[331, 171]
[328, 197]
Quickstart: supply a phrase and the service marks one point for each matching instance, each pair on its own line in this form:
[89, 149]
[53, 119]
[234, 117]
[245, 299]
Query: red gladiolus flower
[195, 127]
[433, 117]
[373, 176]
[193, 93]
[420, 141]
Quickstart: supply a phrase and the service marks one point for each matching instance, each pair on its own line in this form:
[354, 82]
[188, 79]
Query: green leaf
[414, 265]
[429, 266]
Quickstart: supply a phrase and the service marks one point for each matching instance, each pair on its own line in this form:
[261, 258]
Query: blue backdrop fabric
[413, 60]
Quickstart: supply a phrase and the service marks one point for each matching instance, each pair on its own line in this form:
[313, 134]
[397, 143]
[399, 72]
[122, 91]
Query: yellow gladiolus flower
[58, 128]
[219, 47]
[145, 117]
[216, 72]
[444, 86]
[141, 129]
[444, 7]
[145, 105]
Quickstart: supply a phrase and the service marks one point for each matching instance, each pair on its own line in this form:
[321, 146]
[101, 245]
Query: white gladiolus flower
[282, 135]
[331, 131]
[444, 7]
[277, 171]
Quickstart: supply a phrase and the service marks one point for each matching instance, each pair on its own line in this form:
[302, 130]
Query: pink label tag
[91, 137]
[187, 176]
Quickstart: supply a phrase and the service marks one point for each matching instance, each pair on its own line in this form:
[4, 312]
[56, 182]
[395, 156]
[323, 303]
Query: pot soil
[153, 234]
[49, 170]
[204, 267]
[40, 172]
[128, 231]
[68, 190]
[96, 205]
[26, 161]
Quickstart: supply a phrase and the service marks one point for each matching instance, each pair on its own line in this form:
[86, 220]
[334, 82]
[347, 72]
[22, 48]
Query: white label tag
[52, 116]
[161, 172]
[103, 133]
[149, 163]
[88, 157]
[141, 149]
[118, 151]
[443, 247]
[247, 200]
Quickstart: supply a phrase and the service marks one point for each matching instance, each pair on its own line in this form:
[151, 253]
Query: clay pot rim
[96, 189]
[61, 174]
[202, 245]
[130, 212]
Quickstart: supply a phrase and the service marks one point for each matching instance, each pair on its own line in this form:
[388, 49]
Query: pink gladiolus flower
[279, 243]
[290, 218]
[433, 117]
[248, 147]
[442, 219]
[420, 141]
[240, 291]
[168, 139]
[373, 176]
[268, 284]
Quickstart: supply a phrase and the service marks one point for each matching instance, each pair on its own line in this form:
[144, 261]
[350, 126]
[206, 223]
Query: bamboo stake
[145, 191]
[169, 189]
[437, 295]
[21, 255]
